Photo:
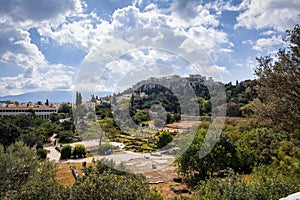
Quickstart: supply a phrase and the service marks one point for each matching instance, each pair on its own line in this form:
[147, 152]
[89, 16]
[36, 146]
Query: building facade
[43, 112]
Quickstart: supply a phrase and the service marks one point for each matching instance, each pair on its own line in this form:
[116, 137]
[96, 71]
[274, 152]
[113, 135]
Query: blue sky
[45, 45]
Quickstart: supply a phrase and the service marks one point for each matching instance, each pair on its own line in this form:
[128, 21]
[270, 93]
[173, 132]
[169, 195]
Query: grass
[64, 173]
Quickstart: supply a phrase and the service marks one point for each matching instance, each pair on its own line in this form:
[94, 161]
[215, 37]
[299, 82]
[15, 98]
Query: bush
[66, 152]
[42, 153]
[140, 116]
[266, 183]
[222, 155]
[105, 149]
[79, 151]
[163, 139]
[65, 136]
[103, 182]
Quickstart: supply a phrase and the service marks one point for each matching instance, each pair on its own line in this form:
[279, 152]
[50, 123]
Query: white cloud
[217, 69]
[19, 50]
[69, 23]
[16, 19]
[242, 6]
[247, 42]
[57, 77]
[35, 10]
[225, 50]
[268, 44]
[186, 9]
[210, 39]
[224, 5]
[89, 30]
[269, 32]
[279, 15]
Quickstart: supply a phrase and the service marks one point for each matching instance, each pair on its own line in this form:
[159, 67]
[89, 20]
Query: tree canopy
[279, 84]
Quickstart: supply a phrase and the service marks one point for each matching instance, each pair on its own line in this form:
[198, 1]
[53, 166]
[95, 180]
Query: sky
[50, 45]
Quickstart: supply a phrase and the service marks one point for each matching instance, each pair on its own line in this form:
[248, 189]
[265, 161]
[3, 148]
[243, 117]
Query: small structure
[74, 172]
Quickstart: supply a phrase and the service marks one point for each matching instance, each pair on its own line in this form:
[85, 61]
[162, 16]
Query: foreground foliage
[265, 183]
[103, 182]
[24, 176]
[280, 85]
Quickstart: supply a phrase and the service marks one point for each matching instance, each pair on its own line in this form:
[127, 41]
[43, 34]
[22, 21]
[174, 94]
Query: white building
[43, 112]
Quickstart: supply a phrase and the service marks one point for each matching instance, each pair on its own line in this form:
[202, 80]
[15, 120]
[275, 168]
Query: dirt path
[135, 162]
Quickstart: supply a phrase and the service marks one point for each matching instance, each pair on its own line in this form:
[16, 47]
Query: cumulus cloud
[89, 30]
[68, 23]
[19, 50]
[222, 5]
[279, 15]
[186, 9]
[269, 32]
[36, 10]
[16, 18]
[218, 69]
[57, 77]
[268, 44]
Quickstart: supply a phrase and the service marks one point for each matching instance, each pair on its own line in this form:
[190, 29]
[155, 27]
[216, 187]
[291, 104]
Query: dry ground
[65, 177]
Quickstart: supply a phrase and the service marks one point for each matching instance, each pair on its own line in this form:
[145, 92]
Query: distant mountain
[52, 96]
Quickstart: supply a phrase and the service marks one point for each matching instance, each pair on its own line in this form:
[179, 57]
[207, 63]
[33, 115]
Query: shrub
[65, 136]
[163, 139]
[107, 180]
[66, 152]
[266, 183]
[42, 153]
[105, 149]
[79, 151]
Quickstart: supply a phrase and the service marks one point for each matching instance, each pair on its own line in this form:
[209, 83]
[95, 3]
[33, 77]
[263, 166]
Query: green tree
[170, 118]
[266, 183]
[195, 168]
[104, 183]
[105, 149]
[79, 151]
[42, 153]
[24, 176]
[93, 99]
[164, 138]
[91, 116]
[67, 125]
[65, 108]
[140, 116]
[78, 99]
[80, 111]
[103, 111]
[232, 110]
[258, 146]
[66, 152]
[288, 158]
[109, 127]
[9, 132]
[279, 84]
